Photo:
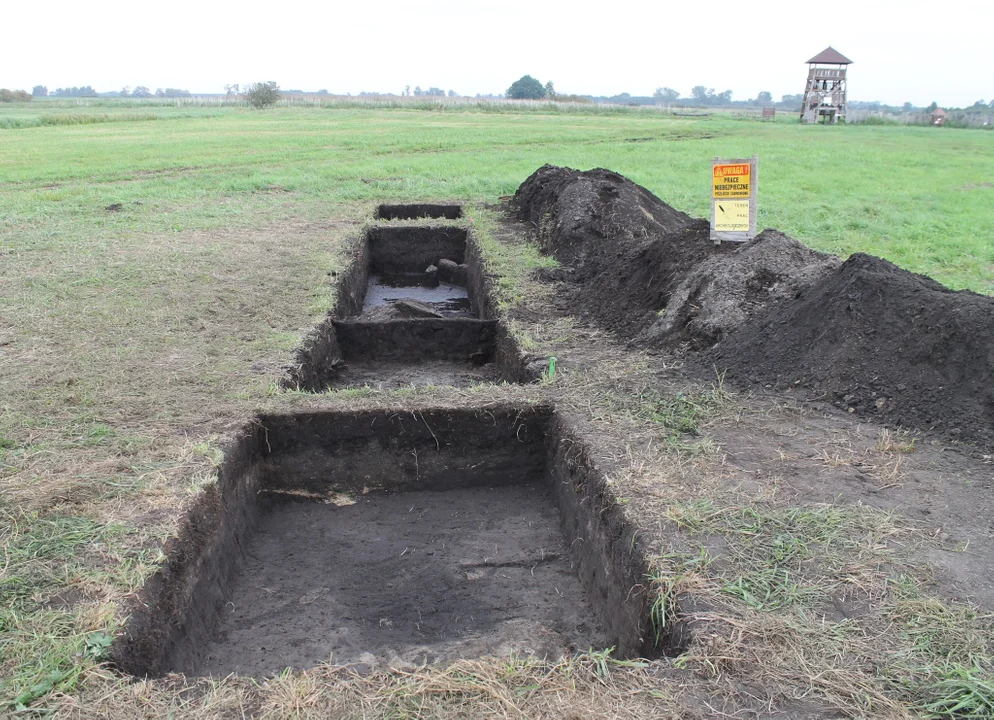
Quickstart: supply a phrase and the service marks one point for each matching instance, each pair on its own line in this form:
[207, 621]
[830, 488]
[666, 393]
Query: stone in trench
[431, 276]
[412, 308]
[452, 272]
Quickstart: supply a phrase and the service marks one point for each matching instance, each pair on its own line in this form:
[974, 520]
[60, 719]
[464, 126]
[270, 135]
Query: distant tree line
[140, 91]
[85, 91]
[701, 96]
[525, 88]
[430, 92]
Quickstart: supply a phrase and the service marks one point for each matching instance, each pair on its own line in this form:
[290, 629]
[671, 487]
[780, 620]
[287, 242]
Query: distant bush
[526, 88]
[264, 94]
[13, 95]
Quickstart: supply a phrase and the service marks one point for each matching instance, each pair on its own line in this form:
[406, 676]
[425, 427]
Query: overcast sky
[914, 50]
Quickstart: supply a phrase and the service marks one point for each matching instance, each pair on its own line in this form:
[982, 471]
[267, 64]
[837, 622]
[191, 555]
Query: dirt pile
[721, 293]
[623, 249]
[882, 341]
[864, 335]
[590, 219]
[651, 273]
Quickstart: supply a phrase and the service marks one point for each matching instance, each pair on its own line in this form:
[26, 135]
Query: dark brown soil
[590, 219]
[394, 536]
[882, 342]
[418, 210]
[727, 290]
[627, 255]
[417, 339]
[387, 375]
[866, 336]
[602, 227]
[623, 249]
[411, 249]
[412, 577]
[366, 340]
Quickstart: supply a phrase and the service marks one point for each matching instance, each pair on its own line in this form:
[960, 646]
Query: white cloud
[917, 51]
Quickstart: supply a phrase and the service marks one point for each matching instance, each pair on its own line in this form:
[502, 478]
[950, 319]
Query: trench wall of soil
[452, 339]
[411, 248]
[370, 451]
[312, 456]
[418, 210]
[603, 544]
[180, 604]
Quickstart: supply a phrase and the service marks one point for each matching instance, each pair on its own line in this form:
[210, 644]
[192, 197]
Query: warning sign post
[733, 199]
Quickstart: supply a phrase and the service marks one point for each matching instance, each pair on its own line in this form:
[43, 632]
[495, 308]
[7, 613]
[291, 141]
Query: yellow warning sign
[731, 216]
[732, 180]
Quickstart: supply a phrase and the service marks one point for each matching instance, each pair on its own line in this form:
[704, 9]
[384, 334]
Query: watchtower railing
[821, 73]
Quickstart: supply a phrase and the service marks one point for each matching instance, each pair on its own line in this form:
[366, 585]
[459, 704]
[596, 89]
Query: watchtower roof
[830, 56]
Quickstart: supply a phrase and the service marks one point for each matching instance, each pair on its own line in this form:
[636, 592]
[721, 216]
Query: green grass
[780, 570]
[920, 197]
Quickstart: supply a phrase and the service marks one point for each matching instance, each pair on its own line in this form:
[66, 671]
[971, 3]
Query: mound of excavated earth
[882, 341]
[864, 334]
[723, 292]
[651, 273]
[588, 219]
[623, 249]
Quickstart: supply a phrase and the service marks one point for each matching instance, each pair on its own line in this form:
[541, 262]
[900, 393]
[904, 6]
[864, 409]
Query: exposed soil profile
[865, 335]
[404, 578]
[384, 537]
[417, 211]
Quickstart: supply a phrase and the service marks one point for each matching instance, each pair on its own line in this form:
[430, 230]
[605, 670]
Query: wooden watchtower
[825, 92]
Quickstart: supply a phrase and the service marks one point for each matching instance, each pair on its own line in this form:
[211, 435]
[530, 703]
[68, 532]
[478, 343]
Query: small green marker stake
[552, 367]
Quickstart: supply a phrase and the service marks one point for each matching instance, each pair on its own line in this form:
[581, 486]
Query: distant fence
[954, 118]
[411, 102]
[440, 104]
[414, 102]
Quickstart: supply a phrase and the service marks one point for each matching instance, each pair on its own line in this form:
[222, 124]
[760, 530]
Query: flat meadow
[919, 197]
[159, 265]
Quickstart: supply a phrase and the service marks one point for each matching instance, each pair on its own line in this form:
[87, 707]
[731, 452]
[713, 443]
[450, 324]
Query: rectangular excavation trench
[392, 537]
[376, 336]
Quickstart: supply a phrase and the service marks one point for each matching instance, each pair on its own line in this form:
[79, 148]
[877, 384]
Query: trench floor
[448, 299]
[396, 375]
[404, 578]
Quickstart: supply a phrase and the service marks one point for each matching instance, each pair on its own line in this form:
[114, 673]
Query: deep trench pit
[419, 210]
[388, 537]
[413, 307]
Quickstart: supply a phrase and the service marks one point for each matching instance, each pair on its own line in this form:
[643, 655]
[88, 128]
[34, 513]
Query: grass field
[158, 266]
[920, 197]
